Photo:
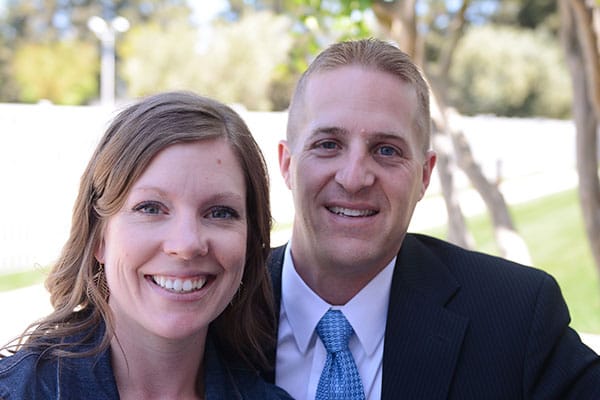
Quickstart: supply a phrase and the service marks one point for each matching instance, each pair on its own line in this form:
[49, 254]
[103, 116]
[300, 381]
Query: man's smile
[351, 212]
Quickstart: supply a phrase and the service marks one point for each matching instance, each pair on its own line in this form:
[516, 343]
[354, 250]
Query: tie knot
[334, 331]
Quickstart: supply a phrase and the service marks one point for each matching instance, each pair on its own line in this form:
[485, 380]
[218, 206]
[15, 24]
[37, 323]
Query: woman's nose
[186, 238]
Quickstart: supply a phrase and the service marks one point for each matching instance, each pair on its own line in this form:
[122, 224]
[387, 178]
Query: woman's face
[174, 254]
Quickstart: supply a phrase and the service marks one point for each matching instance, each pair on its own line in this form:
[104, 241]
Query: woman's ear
[99, 253]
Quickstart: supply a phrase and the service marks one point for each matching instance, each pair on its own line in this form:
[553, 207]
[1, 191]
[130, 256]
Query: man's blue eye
[328, 145]
[387, 151]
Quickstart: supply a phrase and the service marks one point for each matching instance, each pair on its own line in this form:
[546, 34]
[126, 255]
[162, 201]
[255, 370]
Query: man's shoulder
[473, 267]
[456, 256]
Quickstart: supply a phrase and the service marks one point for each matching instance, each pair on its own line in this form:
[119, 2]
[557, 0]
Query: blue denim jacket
[28, 375]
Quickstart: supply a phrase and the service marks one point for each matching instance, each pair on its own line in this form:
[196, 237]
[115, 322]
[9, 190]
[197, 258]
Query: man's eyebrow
[338, 131]
[388, 136]
[329, 130]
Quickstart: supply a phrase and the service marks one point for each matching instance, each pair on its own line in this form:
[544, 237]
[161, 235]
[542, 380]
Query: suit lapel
[423, 338]
[275, 265]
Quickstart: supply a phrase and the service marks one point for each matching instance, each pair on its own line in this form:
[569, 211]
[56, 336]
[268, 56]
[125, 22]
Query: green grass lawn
[551, 226]
[21, 279]
[553, 229]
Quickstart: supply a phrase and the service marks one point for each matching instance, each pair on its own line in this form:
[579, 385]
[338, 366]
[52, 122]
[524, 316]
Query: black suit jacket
[464, 325]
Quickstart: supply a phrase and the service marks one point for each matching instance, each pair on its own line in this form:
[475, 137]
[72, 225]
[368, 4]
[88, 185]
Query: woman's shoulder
[35, 371]
[24, 359]
[20, 373]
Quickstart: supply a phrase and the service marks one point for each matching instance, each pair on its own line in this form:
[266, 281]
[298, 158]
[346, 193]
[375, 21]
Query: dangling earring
[100, 281]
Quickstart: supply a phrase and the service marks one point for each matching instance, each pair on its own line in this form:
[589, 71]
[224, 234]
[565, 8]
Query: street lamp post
[106, 31]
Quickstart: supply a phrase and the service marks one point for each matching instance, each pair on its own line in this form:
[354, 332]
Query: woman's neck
[153, 368]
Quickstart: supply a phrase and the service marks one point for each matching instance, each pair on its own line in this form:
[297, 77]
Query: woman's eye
[223, 213]
[148, 208]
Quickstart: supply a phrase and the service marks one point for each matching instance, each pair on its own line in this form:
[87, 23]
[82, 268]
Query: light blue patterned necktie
[339, 379]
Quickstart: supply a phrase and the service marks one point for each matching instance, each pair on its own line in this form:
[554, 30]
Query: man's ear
[428, 164]
[285, 158]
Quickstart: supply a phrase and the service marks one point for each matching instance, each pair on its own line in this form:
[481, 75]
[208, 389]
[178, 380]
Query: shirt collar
[366, 311]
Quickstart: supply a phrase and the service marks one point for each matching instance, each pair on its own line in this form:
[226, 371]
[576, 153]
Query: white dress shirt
[301, 354]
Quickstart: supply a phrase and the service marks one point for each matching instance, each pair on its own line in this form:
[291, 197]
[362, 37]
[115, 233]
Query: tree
[38, 25]
[234, 65]
[580, 41]
[62, 72]
[532, 78]
[152, 62]
[242, 59]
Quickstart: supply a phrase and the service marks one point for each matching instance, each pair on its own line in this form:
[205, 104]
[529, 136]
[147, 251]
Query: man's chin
[351, 253]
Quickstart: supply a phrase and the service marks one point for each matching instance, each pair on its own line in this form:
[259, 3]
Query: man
[429, 320]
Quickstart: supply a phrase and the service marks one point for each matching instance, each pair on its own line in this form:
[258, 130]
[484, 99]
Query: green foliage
[43, 35]
[333, 20]
[62, 72]
[527, 14]
[8, 89]
[510, 72]
[159, 57]
[243, 59]
[237, 65]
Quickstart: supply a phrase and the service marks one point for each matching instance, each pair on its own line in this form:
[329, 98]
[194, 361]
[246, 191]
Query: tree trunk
[510, 244]
[399, 18]
[446, 167]
[580, 44]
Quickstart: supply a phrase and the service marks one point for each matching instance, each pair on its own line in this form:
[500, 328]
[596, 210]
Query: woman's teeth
[179, 285]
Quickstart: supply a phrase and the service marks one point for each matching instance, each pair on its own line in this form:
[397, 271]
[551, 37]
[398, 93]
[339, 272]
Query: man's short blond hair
[372, 54]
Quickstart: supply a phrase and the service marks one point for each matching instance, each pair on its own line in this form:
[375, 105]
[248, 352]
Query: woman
[161, 289]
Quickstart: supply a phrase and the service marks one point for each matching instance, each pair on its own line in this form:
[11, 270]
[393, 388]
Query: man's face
[356, 168]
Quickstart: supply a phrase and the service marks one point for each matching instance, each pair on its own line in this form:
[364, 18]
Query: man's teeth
[179, 285]
[349, 212]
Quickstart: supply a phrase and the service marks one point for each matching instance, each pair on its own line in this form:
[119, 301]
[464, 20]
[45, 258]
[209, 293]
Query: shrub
[510, 72]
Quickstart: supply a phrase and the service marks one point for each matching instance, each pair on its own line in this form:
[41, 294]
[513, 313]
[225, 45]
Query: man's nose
[355, 172]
